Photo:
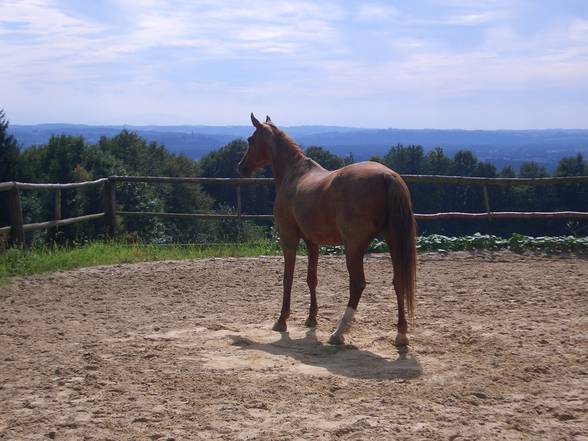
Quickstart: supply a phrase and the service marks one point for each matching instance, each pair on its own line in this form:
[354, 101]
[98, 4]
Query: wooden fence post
[57, 205]
[109, 209]
[16, 221]
[487, 202]
[239, 201]
[57, 209]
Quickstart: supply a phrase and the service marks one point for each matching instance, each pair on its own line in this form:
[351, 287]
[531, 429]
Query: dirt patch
[184, 350]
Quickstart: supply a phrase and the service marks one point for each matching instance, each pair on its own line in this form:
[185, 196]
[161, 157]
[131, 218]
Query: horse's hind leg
[354, 260]
[401, 340]
[312, 281]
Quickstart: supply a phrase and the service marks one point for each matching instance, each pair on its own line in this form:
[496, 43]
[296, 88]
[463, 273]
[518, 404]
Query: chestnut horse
[349, 206]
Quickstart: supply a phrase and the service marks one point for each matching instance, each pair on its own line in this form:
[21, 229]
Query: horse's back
[364, 173]
[351, 201]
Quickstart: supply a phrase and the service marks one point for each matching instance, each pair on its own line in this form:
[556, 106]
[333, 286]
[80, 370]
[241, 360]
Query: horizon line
[123, 125]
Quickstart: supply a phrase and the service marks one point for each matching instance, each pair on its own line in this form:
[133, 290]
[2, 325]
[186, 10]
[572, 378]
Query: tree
[138, 157]
[62, 155]
[485, 170]
[222, 163]
[71, 159]
[9, 152]
[530, 169]
[432, 197]
[9, 163]
[507, 172]
[411, 160]
[405, 160]
[437, 163]
[349, 159]
[572, 166]
[324, 157]
[465, 163]
[572, 197]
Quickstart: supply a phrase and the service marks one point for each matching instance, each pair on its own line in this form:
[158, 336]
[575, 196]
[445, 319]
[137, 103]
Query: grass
[23, 262]
[43, 259]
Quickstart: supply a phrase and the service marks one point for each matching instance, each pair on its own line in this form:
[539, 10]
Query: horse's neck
[288, 161]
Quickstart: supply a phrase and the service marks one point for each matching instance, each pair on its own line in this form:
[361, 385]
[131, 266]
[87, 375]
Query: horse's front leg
[289, 262]
[312, 281]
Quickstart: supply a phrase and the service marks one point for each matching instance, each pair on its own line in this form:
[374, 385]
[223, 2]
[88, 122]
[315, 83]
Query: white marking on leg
[343, 325]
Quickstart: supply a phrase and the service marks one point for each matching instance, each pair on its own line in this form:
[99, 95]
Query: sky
[462, 64]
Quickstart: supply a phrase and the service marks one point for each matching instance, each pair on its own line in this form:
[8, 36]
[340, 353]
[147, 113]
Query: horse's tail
[402, 230]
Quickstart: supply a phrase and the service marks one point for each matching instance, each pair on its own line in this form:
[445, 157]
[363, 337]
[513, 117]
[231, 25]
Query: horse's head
[259, 151]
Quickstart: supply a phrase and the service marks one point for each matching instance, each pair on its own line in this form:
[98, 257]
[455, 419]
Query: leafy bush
[517, 243]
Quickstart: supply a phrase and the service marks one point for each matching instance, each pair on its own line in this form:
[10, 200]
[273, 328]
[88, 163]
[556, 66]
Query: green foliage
[72, 159]
[44, 258]
[349, 159]
[465, 163]
[10, 162]
[434, 198]
[507, 172]
[572, 166]
[517, 243]
[405, 160]
[572, 197]
[325, 158]
[483, 242]
[222, 163]
[9, 152]
[531, 169]
[437, 163]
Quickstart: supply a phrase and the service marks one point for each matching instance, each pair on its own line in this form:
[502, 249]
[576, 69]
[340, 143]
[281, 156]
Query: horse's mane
[284, 139]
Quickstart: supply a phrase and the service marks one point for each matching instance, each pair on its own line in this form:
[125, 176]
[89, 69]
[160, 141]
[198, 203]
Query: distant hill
[500, 147]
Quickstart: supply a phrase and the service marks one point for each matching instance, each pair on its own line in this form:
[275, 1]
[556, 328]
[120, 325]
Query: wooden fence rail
[16, 230]
[473, 180]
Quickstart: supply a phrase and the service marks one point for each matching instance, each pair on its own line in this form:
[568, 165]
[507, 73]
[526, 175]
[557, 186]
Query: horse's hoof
[280, 326]
[310, 322]
[401, 341]
[336, 339]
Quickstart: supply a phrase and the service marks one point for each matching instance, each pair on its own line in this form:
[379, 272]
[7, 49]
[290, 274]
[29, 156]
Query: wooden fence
[17, 228]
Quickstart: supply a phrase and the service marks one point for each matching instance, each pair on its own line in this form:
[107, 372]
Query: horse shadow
[344, 360]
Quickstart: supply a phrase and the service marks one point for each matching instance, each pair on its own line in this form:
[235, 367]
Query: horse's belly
[325, 235]
[346, 209]
[319, 226]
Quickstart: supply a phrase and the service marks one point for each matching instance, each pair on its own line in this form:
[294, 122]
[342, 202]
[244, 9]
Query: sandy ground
[184, 351]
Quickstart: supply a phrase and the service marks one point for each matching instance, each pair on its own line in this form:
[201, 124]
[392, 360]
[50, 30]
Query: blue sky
[407, 64]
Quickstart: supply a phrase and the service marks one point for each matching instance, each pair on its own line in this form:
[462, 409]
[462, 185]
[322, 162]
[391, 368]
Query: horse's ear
[267, 119]
[255, 121]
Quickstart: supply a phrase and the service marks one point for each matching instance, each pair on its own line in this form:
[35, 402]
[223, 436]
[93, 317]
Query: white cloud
[471, 19]
[227, 29]
[376, 11]
[578, 31]
[281, 54]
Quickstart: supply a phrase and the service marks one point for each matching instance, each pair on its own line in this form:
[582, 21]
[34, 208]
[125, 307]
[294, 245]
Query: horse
[349, 206]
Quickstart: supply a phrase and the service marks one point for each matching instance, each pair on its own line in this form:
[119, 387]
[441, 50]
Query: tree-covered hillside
[72, 159]
[500, 147]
